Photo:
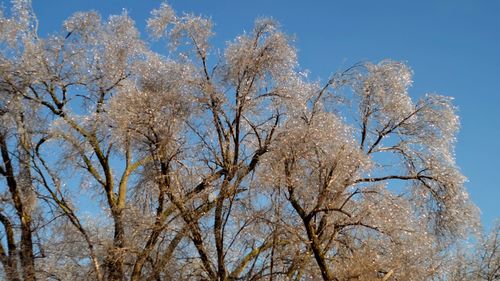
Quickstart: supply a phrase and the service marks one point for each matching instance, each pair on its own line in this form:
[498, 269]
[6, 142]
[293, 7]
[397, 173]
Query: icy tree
[121, 163]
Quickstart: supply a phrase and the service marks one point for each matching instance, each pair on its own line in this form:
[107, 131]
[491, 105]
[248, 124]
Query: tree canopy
[207, 164]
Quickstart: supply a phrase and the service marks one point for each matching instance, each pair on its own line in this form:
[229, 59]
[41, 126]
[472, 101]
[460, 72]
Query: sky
[453, 47]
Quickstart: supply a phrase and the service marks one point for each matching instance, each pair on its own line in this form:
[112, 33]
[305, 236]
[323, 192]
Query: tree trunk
[116, 255]
[26, 253]
[27, 257]
[320, 258]
[9, 259]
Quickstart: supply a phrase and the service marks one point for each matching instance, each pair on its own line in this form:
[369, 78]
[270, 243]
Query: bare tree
[122, 163]
[488, 256]
[479, 260]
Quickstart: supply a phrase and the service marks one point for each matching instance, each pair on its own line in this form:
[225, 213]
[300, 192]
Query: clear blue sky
[453, 47]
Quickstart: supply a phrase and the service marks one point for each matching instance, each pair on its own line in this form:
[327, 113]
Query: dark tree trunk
[26, 254]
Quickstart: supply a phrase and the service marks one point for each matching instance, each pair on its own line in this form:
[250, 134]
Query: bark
[117, 254]
[26, 252]
[310, 229]
[219, 235]
[9, 260]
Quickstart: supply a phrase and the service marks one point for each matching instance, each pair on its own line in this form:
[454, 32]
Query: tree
[481, 260]
[487, 256]
[206, 167]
